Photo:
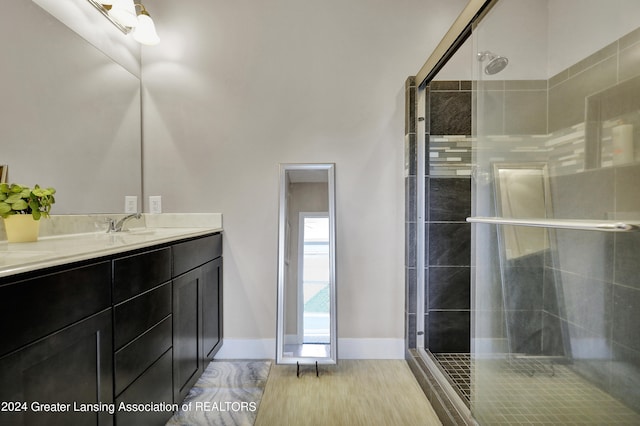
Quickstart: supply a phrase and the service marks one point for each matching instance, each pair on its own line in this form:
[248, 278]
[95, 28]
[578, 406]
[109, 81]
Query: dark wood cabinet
[133, 328]
[142, 318]
[153, 386]
[187, 340]
[34, 307]
[67, 369]
[211, 308]
[197, 312]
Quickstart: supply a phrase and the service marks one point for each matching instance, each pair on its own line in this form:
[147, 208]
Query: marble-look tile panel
[593, 59]
[525, 112]
[625, 375]
[569, 200]
[449, 331]
[411, 336]
[552, 336]
[566, 100]
[627, 192]
[626, 316]
[627, 264]
[441, 85]
[524, 331]
[411, 286]
[587, 303]
[449, 287]
[450, 113]
[629, 69]
[449, 244]
[449, 199]
[410, 249]
[410, 197]
[586, 253]
[523, 285]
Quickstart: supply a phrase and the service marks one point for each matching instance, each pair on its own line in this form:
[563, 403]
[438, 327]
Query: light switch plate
[155, 204]
[131, 204]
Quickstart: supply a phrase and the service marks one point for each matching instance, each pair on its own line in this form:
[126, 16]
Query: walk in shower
[539, 191]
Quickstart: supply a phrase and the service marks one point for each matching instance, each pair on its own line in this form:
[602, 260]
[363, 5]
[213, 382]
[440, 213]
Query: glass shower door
[555, 210]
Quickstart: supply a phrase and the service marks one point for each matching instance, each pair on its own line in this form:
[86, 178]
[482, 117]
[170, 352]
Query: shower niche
[613, 125]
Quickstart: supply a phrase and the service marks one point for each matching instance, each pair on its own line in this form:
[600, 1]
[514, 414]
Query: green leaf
[4, 208]
[16, 188]
[36, 214]
[19, 205]
[13, 198]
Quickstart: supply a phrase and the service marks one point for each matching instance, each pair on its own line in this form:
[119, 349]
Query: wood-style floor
[355, 392]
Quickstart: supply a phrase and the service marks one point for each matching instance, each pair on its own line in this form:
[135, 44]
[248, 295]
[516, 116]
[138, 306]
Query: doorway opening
[313, 278]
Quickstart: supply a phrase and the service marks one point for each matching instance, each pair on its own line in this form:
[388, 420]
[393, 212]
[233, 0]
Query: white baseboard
[247, 349]
[347, 349]
[370, 348]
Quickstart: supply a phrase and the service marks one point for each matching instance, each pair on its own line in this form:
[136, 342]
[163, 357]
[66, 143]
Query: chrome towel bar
[585, 225]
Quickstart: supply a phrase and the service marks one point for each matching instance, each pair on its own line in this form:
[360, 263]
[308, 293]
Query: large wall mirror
[522, 192]
[70, 116]
[306, 326]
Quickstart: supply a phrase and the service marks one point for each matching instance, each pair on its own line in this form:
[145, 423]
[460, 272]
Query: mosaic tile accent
[563, 151]
[508, 395]
[531, 391]
[450, 155]
[457, 368]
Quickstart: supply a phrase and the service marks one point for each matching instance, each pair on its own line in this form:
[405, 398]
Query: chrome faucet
[113, 226]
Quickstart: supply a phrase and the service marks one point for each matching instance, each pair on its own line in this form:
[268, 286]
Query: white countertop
[16, 258]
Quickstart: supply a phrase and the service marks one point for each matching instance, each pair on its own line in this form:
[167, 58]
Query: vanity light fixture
[145, 31]
[124, 15]
[124, 12]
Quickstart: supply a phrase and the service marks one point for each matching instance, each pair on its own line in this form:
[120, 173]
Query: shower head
[496, 63]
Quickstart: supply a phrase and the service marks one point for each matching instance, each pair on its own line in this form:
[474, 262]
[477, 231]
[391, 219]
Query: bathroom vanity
[111, 335]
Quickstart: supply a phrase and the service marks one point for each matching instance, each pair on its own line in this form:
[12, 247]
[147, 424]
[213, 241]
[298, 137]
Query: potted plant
[22, 207]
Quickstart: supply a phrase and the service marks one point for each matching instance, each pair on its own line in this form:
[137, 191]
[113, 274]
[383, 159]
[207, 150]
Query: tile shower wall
[591, 289]
[447, 205]
[598, 273]
[599, 279]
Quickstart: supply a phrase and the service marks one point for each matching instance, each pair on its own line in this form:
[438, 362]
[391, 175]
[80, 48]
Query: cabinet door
[187, 332]
[211, 307]
[153, 386]
[72, 366]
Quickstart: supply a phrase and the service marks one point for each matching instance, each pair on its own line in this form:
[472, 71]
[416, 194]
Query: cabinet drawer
[33, 308]
[191, 254]
[135, 274]
[136, 315]
[154, 386]
[137, 356]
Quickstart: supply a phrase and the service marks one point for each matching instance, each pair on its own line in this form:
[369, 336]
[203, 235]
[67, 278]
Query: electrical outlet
[130, 204]
[155, 204]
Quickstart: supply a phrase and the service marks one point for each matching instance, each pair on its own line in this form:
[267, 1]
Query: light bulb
[145, 32]
[124, 12]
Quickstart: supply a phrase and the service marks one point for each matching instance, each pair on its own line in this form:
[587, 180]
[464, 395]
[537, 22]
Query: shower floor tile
[522, 391]
[457, 367]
